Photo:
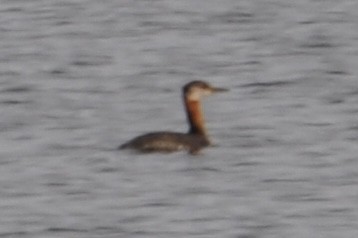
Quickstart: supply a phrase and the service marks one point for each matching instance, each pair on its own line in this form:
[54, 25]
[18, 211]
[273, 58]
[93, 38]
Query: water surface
[78, 78]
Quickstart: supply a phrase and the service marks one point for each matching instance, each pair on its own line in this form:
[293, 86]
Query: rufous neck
[195, 117]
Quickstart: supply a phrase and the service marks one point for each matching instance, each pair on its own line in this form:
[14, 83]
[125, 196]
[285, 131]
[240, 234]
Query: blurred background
[78, 78]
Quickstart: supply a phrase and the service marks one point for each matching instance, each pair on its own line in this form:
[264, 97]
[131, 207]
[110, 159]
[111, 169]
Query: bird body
[192, 141]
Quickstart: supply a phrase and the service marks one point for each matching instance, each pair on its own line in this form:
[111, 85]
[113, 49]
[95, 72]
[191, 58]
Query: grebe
[197, 136]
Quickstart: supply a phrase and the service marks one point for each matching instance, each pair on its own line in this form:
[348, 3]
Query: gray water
[78, 78]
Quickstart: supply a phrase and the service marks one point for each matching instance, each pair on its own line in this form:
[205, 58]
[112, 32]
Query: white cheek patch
[195, 94]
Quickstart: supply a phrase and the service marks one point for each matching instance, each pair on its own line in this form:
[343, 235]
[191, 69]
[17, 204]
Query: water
[78, 78]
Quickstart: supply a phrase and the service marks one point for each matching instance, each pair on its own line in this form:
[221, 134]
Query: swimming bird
[192, 141]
